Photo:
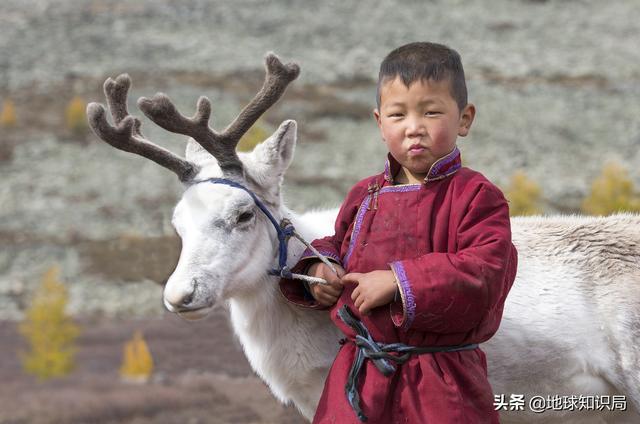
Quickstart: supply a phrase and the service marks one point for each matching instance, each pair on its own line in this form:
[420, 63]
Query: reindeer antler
[222, 145]
[126, 134]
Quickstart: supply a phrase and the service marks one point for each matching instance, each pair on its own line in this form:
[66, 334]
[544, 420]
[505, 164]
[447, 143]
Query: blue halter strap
[285, 229]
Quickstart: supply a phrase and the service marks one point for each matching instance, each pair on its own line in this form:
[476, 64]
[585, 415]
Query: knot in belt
[383, 356]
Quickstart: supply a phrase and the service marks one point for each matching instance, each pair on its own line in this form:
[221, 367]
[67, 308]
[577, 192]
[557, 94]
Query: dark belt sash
[381, 356]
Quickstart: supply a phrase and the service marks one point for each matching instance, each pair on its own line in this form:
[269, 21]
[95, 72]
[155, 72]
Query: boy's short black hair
[425, 61]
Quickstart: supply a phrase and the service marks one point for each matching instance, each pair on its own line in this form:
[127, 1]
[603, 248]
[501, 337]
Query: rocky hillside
[556, 84]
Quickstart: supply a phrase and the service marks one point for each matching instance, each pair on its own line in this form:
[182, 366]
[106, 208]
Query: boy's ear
[376, 115]
[466, 119]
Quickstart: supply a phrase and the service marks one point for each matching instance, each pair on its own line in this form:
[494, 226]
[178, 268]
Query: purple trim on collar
[401, 188]
[391, 167]
[440, 169]
[445, 166]
[308, 253]
[408, 300]
[387, 170]
[356, 228]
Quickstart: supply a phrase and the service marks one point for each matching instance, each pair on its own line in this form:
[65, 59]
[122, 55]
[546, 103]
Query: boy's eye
[433, 113]
[395, 115]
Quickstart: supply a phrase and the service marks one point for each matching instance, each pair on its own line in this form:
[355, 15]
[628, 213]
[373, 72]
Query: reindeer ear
[267, 163]
[197, 154]
[276, 152]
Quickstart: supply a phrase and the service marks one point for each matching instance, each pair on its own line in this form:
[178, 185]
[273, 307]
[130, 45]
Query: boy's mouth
[416, 148]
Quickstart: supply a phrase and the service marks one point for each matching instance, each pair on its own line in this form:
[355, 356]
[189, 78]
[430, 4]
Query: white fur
[570, 325]
[572, 319]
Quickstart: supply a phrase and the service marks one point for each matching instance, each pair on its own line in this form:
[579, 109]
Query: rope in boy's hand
[309, 279]
[327, 262]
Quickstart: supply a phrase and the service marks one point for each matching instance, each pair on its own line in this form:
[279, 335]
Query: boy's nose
[415, 128]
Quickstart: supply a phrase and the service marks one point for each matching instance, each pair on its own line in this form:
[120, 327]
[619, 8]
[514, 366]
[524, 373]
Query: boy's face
[420, 123]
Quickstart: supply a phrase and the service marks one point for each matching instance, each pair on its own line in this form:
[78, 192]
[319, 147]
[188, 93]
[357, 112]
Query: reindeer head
[226, 242]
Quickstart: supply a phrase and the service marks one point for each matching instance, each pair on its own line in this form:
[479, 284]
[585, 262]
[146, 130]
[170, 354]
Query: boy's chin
[418, 169]
[415, 174]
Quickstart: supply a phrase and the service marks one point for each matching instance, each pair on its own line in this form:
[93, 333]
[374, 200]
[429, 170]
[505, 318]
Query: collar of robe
[442, 168]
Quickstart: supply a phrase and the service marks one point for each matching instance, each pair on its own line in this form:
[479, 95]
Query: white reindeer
[570, 325]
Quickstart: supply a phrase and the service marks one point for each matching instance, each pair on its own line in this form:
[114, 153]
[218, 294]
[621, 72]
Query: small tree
[524, 195]
[8, 114]
[137, 363]
[252, 138]
[76, 119]
[51, 334]
[611, 192]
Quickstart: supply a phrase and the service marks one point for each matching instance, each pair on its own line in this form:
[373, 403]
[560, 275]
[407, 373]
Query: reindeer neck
[262, 321]
[259, 310]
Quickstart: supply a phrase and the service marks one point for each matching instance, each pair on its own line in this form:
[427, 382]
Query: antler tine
[222, 146]
[276, 81]
[116, 94]
[161, 110]
[126, 135]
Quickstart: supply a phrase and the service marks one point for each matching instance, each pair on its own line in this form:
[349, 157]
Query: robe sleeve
[454, 292]
[330, 246]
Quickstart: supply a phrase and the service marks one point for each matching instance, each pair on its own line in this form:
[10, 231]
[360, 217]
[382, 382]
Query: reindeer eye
[245, 217]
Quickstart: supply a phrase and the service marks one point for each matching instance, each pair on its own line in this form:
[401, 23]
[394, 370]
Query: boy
[424, 259]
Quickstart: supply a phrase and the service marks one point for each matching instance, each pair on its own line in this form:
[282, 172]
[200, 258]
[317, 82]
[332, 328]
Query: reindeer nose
[180, 298]
[188, 299]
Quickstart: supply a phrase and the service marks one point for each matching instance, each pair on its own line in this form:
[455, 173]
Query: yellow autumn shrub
[75, 116]
[137, 362]
[612, 191]
[8, 117]
[524, 195]
[49, 331]
[256, 135]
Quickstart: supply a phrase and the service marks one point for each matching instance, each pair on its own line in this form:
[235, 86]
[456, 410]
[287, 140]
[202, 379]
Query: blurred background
[85, 237]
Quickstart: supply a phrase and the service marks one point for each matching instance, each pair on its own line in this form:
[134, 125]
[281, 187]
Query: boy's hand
[326, 294]
[374, 289]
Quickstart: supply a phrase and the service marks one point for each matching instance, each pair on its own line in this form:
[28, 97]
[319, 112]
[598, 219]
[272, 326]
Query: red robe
[448, 241]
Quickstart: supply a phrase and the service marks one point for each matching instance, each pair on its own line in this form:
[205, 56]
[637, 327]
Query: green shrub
[51, 334]
[524, 195]
[611, 192]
